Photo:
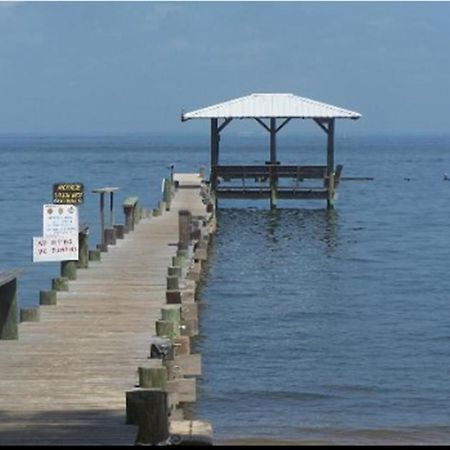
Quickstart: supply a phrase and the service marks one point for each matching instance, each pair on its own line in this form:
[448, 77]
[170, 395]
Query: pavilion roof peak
[271, 105]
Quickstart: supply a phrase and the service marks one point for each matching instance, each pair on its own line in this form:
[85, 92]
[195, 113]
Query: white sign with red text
[55, 248]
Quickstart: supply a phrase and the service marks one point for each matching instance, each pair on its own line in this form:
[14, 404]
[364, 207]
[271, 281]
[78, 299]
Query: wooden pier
[68, 377]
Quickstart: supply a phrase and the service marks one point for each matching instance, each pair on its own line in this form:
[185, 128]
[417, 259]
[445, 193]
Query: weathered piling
[95, 255]
[110, 236]
[29, 314]
[167, 328]
[148, 408]
[69, 269]
[130, 207]
[174, 271]
[153, 377]
[47, 297]
[83, 247]
[120, 231]
[60, 284]
[167, 193]
[8, 305]
[173, 282]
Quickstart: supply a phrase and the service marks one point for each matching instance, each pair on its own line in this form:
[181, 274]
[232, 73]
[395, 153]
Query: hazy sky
[133, 66]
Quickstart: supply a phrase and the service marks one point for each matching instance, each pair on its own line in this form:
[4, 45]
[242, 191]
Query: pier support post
[130, 206]
[120, 231]
[29, 314]
[174, 271]
[167, 193]
[47, 297]
[172, 314]
[153, 377]
[110, 236]
[8, 306]
[148, 408]
[95, 255]
[330, 164]
[173, 283]
[60, 284]
[166, 328]
[69, 269]
[83, 249]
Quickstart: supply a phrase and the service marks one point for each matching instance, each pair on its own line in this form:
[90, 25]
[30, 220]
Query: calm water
[315, 326]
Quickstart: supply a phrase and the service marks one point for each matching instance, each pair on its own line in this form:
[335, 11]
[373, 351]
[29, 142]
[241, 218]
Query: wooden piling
[173, 297]
[95, 255]
[69, 269]
[174, 271]
[173, 283]
[153, 377]
[60, 284]
[120, 231]
[110, 236]
[29, 314]
[167, 193]
[177, 261]
[148, 408]
[166, 328]
[130, 206]
[47, 297]
[83, 248]
[183, 254]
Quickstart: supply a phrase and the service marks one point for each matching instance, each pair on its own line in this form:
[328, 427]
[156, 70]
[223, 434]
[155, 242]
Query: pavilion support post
[214, 152]
[273, 161]
[330, 164]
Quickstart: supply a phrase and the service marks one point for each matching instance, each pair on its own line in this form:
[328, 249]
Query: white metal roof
[271, 106]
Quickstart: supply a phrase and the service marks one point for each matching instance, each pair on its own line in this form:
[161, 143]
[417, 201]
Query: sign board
[68, 193]
[60, 220]
[55, 248]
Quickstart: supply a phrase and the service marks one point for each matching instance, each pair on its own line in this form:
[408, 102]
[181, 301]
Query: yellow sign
[68, 193]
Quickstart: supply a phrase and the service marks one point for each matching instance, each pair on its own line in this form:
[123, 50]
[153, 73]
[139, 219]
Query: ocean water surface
[316, 325]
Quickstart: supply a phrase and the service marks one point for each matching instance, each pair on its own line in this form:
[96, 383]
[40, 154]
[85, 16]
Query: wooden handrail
[287, 171]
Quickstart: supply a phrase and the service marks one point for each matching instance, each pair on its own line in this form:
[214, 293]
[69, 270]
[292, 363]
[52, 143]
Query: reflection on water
[314, 328]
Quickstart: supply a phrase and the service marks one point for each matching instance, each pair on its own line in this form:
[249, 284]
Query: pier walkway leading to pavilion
[64, 380]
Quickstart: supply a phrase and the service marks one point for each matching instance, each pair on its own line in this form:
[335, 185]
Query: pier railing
[260, 174]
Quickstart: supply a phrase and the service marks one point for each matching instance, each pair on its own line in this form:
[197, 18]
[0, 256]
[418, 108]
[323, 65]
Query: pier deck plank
[64, 381]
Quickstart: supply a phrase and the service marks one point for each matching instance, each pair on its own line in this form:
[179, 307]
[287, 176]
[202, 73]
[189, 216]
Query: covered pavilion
[273, 112]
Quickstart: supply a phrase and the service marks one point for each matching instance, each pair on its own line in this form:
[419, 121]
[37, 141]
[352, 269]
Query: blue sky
[119, 67]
